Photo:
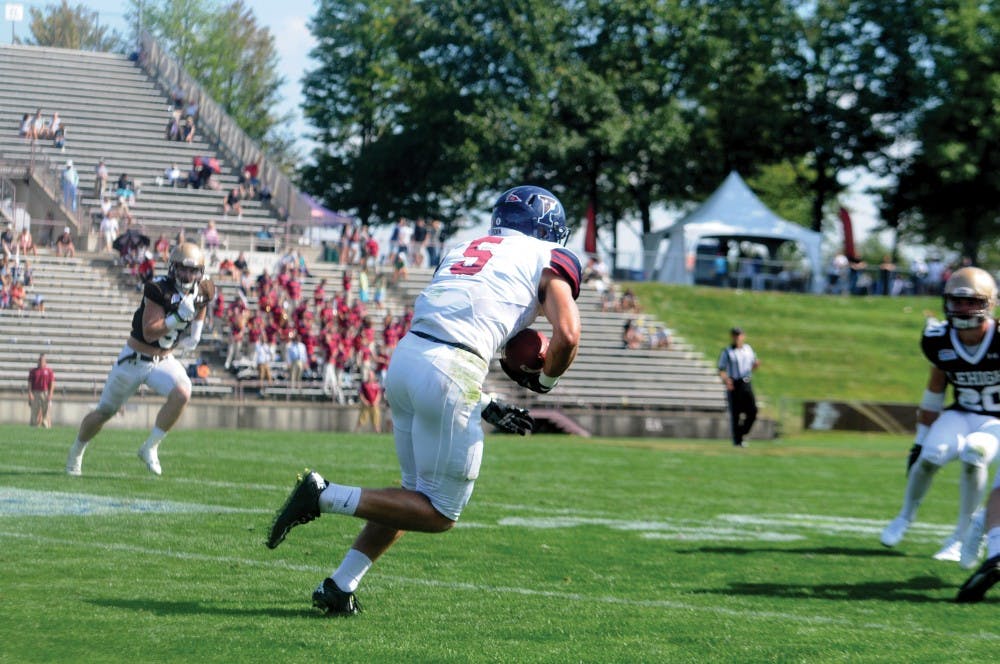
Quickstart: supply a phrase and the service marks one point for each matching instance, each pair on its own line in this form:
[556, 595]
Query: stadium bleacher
[114, 111]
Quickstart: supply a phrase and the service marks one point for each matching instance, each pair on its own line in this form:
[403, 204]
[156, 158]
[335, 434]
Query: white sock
[971, 487]
[993, 542]
[155, 437]
[79, 447]
[340, 499]
[917, 485]
[352, 569]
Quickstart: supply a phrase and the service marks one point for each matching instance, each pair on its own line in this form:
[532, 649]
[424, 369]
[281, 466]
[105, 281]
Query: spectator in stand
[25, 243]
[632, 337]
[263, 356]
[38, 125]
[41, 386]
[194, 178]
[369, 403]
[162, 247]
[27, 127]
[64, 244]
[418, 242]
[187, 129]
[295, 357]
[401, 236]
[380, 291]
[100, 178]
[53, 128]
[147, 268]
[70, 185]
[210, 236]
[227, 270]
[629, 302]
[171, 175]
[242, 265]
[17, 296]
[125, 189]
[59, 139]
[7, 242]
[172, 132]
[399, 272]
[109, 230]
[232, 202]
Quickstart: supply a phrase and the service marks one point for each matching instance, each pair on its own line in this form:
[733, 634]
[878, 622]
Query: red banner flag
[590, 237]
[845, 219]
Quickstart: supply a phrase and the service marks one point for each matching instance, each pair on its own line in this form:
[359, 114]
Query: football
[525, 352]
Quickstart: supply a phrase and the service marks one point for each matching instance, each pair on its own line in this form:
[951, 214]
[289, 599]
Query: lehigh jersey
[974, 377]
[163, 291]
[486, 290]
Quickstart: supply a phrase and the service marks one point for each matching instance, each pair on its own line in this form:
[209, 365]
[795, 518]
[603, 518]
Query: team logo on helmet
[532, 211]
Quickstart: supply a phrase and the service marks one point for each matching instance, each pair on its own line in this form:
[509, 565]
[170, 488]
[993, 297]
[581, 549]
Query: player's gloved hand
[914, 455]
[508, 418]
[532, 381]
[185, 308]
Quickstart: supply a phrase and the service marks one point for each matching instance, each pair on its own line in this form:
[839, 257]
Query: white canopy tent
[732, 212]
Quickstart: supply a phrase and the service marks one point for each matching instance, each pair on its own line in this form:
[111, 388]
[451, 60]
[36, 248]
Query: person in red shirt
[41, 385]
[370, 403]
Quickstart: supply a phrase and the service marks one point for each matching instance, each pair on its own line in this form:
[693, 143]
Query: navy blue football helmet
[531, 210]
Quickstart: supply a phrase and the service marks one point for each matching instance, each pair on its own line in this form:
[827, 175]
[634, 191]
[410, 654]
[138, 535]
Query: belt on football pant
[138, 357]
[453, 344]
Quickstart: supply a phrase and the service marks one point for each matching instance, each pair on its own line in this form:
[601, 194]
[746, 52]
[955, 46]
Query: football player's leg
[123, 381]
[940, 446]
[166, 378]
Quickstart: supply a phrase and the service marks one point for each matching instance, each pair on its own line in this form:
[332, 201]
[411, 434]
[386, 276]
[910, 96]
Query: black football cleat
[333, 601]
[301, 507]
[981, 580]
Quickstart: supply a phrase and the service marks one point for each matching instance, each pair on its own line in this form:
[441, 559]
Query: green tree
[233, 58]
[76, 27]
[949, 186]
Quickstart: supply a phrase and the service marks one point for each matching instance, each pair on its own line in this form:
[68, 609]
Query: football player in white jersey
[964, 351]
[482, 293]
[171, 315]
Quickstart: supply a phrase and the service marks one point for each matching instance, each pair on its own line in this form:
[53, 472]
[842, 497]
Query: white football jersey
[486, 290]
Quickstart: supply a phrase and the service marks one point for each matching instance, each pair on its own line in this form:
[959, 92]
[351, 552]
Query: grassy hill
[810, 347]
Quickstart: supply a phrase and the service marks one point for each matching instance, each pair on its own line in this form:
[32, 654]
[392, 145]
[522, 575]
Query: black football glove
[508, 418]
[914, 455]
[524, 379]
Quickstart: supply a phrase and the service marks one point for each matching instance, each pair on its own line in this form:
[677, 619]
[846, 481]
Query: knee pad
[980, 449]
[107, 411]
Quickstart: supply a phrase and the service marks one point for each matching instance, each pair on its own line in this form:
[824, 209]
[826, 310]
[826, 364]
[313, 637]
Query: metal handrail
[215, 122]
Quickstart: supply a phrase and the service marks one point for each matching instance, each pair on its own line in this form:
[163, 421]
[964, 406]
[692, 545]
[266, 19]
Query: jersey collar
[983, 345]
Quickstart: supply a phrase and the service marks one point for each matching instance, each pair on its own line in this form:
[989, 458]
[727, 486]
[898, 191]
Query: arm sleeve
[565, 263]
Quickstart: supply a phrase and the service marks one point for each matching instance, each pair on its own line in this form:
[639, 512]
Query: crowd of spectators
[38, 127]
[328, 338]
[16, 273]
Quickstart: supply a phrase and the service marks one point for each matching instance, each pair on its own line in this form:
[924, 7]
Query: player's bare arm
[937, 382]
[559, 307]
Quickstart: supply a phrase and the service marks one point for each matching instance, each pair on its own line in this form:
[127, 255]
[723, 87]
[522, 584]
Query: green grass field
[589, 550]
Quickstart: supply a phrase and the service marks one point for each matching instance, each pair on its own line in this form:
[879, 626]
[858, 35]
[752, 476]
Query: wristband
[932, 402]
[548, 382]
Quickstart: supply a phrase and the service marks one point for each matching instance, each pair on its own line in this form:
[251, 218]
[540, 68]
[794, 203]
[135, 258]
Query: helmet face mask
[970, 296]
[187, 266]
[532, 211]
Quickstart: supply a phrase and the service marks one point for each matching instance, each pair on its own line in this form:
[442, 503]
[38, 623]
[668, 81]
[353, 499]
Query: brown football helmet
[969, 283]
[190, 256]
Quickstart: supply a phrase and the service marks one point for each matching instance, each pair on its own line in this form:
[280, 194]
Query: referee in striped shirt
[736, 364]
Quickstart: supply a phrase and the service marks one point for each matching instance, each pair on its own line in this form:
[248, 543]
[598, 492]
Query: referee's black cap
[736, 331]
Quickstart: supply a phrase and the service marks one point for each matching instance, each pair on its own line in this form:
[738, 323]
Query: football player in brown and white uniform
[171, 315]
[964, 352]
